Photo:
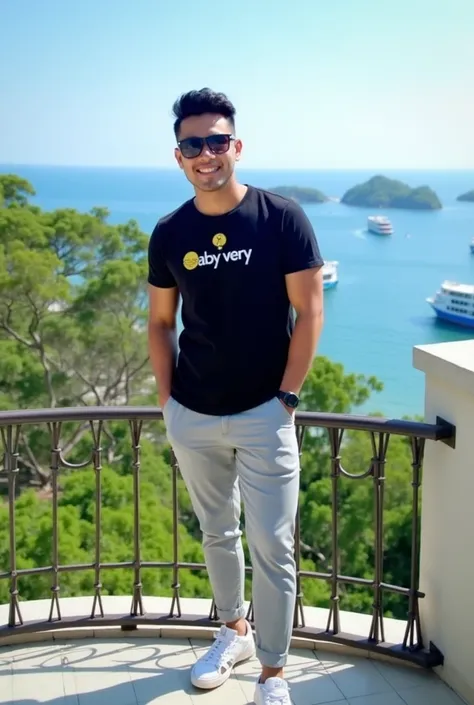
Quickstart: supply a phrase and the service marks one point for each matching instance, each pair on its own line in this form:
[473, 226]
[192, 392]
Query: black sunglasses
[191, 147]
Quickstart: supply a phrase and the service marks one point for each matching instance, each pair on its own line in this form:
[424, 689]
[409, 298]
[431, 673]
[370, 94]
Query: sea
[378, 312]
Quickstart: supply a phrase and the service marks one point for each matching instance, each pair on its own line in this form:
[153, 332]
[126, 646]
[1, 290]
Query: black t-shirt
[230, 270]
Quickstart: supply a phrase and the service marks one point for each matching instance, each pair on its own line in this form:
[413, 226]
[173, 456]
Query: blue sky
[316, 83]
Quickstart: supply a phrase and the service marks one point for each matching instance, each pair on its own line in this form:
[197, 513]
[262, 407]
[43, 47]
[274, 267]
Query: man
[242, 260]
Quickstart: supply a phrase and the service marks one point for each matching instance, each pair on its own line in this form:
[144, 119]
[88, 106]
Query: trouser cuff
[231, 615]
[271, 660]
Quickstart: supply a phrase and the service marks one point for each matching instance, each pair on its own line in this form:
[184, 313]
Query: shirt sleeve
[159, 273]
[300, 246]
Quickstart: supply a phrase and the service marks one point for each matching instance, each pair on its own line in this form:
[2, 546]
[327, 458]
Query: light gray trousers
[253, 454]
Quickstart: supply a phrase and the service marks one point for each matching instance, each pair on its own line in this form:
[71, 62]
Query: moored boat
[454, 303]
[330, 274]
[379, 224]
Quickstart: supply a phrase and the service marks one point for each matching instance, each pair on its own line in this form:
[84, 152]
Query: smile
[208, 170]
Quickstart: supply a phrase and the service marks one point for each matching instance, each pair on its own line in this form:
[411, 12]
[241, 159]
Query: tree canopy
[72, 308]
[72, 333]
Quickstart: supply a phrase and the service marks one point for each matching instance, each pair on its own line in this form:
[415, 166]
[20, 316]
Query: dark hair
[200, 102]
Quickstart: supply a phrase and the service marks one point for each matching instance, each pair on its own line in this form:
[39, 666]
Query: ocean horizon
[378, 311]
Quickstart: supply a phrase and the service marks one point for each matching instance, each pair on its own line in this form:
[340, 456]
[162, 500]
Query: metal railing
[411, 649]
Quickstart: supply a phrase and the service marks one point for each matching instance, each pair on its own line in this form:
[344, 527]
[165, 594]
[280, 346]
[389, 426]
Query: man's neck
[221, 201]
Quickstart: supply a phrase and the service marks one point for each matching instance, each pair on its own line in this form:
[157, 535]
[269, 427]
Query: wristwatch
[289, 398]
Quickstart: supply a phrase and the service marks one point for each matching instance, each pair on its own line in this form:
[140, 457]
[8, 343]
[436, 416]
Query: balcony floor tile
[433, 694]
[155, 671]
[309, 682]
[354, 676]
[379, 699]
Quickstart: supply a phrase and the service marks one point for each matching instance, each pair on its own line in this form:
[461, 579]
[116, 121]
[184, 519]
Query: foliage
[356, 523]
[72, 312]
[76, 522]
[380, 192]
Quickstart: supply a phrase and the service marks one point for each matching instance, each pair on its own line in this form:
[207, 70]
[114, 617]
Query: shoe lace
[275, 698]
[217, 651]
[279, 696]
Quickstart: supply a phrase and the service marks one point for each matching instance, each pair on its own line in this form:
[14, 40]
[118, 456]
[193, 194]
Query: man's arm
[304, 283]
[163, 295]
[162, 346]
[305, 291]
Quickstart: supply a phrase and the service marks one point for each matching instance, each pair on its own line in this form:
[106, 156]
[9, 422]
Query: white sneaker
[215, 667]
[274, 691]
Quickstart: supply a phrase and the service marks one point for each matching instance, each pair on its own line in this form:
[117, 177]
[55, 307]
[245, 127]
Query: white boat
[330, 275]
[454, 303]
[379, 224]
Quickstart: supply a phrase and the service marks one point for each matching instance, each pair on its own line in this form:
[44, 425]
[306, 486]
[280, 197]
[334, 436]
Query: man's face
[214, 166]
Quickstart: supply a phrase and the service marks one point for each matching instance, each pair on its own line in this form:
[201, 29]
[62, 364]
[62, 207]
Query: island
[301, 194]
[381, 192]
[468, 197]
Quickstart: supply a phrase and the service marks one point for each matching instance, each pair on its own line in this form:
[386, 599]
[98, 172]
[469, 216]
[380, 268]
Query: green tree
[76, 527]
[72, 312]
[14, 190]
[328, 388]
[356, 520]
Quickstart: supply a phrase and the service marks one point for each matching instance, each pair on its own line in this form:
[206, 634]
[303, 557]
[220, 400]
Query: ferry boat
[454, 303]
[330, 275]
[379, 224]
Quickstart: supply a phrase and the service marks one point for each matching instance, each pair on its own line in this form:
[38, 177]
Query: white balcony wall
[447, 524]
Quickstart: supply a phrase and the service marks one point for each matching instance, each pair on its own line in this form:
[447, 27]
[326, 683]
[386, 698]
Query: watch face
[292, 400]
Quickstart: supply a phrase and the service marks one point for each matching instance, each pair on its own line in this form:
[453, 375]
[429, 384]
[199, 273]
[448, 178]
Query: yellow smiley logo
[191, 260]
[219, 240]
